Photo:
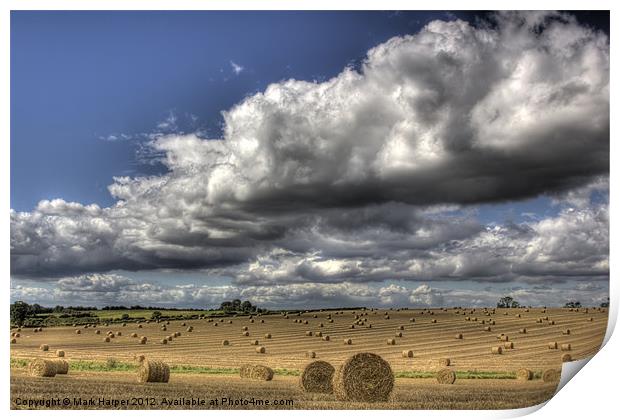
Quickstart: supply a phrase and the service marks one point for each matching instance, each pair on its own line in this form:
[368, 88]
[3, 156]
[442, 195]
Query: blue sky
[98, 95]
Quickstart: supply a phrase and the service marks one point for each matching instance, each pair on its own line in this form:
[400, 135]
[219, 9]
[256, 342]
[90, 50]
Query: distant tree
[226, 306]
[507, 302]
[606, 303]
[19, 311]
[236, 304]
[126, 316]
[572, 304]
[246, 306]
[156, 315]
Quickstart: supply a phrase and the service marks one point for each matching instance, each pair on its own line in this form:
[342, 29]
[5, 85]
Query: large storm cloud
[354, 179]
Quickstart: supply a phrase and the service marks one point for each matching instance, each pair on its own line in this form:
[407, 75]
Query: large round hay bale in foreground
[317, 377]
[153, 371]
[257, 372]
[446, 376]
[551, 375]
[524, 374]
[61, 366]
[364, 377]
[42, 368]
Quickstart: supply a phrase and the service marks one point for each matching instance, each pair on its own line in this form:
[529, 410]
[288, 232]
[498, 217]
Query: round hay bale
[509, 345]
[524, 374]
[551, 322]
[408, 353]
[143, 340]
[118, 333]
[139, 358]
[566, 347]
[433, 321]
[153, 371]
[163, 328]
[310, 354]
[164, 341]
[348, 341]
[44, 347]
[504, 338]
[78, 331]
[566, 332]
[260, 349]
[317, 377]
[254, 342]
[225, 342]
[106, 339]
[262, 321]
[42, 368]
[487, 329]
[446, 376]
[97, 332]
[267, 335]
[551, 375]
[245, 328]
[246, 334]
[61, 366]
[459, 336]
[177, 333]
[364, 377]
[134, 335]
[256, 372]
[13, 340]
[308, 333]
[60, 353]
[325, 338]
[496, 350]
[391, 341]
[523, 331]
[318, 334]
[139, 325]
[444, 361]
[590, 319]
[190, 329]
[552, 345]
[566, 357]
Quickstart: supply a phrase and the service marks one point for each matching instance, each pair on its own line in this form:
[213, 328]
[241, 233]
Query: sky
[309, 159]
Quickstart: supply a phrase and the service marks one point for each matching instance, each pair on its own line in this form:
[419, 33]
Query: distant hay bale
[97, 332]
[509, 345]
[177, 333]
[399, 334]
[143, 340]
[444, 361]
[78, 331]
[153, 371]
[60, 353]
[260, 349]
[262, 321]
[364, 377]
[487, 329]
[268, 335]
[246, 334]
[325, 338]
[552, 345]
[245, 328]
[44, 347]
[590, 319]
[111, 335]
[459, 336]
[391, 341]
[523, 331]
[317, 377]
[225, 342]
[118, 333]
[504, 338]
[139, 325]
[124, 324]
[433, 321]
[408, 353]
[551, 322]
[496, 350]
[134, 335]
[402, 327]
[524, 374]
[565, 347]
[445, 376]
[13, 340]
[230, 322]
[190, 329]
[348, 341]
[164, 341]
[256, 372]
[106, 339]
[139, 358]
[551, 375]
[61, 366]
[411, 319]
[566, 357]
[308, 333]
[566, 332]
[163, 328]
[183, 324]
[310, 354]
[254, 342]
[42, 368]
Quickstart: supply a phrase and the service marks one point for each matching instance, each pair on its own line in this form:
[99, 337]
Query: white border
[593, 394]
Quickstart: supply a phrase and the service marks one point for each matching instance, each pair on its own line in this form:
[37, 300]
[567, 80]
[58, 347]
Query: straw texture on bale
[551, 375]
[524, 374]
[61, 366]
[42, 368]
[446, 376]
[257, 372]
[317, 377]
[364, 377]
[153, 371]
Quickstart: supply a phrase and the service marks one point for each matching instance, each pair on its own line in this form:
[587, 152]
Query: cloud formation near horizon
[353, 179]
